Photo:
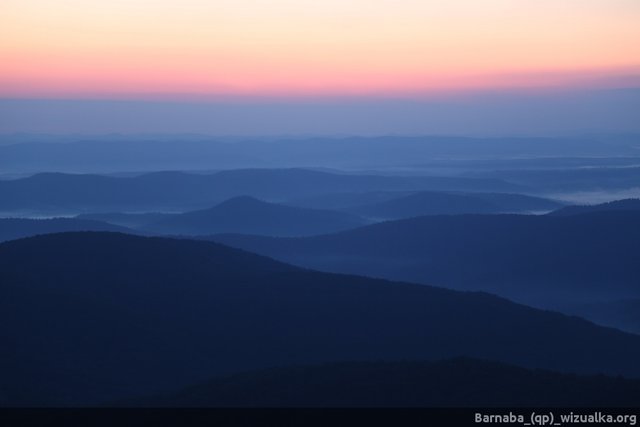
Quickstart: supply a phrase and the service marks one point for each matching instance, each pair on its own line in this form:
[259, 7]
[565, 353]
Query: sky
[302, 51]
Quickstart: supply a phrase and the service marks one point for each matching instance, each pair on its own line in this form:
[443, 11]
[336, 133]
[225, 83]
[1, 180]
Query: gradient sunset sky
[310, 66]
[195, 48]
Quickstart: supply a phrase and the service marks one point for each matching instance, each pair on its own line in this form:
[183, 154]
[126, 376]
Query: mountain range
[476, 250]
[547, 181]
[93, 317]
[56, 193]
[16, 228]
[538, 259]
[616, 205]
[444, 203]
[249, 215]
[24, 153]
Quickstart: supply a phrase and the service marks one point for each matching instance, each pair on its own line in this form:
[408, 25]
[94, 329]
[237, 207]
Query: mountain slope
[570, 179]
[132, 220]
[345, 200]
[617, 205]
[17, 228]
[621, 314]
[441, 203]
[521, 256]
[92, 317]
[249, 215]
[454, 382]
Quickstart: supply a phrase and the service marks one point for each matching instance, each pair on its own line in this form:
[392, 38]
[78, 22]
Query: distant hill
[442, 203]
[571, 179]
[448, 383]
[93, 317]
[617, 205]
[535, 258]
[123, 153]
[17, 228]
[131, 220]
[171, 191]
[252, 216]
[345, 200]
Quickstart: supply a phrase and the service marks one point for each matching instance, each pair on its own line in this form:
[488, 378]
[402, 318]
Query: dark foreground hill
[528, 257]
[252, 216]
[617, 205]
[454, 382]
[623, 314]
[444, 203]
[17, 228]
[93, 317]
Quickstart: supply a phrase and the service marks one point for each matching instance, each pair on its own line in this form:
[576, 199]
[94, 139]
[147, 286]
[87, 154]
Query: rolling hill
[93, 317]
[622, 314]
[17, 228]
[253, 216]
[345, 200]
[617, 205]
[442, 203]
[569, 179]
[447, 383]
[177, 191]
[131, 220]
[533, 258]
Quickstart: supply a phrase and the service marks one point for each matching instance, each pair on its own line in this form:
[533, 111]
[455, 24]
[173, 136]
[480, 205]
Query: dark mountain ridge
[17, 228]
[520, 256]
[92, 317]
[447, 383]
